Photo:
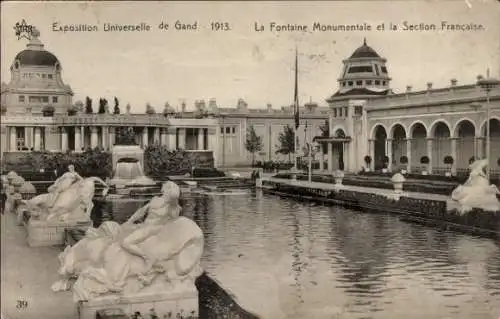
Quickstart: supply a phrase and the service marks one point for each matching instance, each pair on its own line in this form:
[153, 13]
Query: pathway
[371, 190]
[27, 275]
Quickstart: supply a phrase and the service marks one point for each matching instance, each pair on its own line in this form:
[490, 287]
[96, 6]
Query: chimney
[212, 103]
[183, 106]
[269, 107]
[408, 88]
[429, 85]
[453, 82]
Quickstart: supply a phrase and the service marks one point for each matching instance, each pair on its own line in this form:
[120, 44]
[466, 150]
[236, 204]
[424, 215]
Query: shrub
[472, 159]
[448, 160]
[159, 161]
[498, 161]
[424, 160]
[89, 163]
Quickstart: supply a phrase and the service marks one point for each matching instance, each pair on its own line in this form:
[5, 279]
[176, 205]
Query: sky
[172, 66]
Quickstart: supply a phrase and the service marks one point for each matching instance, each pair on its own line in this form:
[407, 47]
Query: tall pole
[488, 84]
[488, 137]
[223, 143]
[296, 112]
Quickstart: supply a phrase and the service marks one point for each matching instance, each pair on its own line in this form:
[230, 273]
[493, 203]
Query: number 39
[22, 304]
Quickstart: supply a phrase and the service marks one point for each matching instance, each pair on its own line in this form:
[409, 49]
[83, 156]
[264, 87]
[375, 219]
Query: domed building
[364, 74]
[36, 82]
[35, 88]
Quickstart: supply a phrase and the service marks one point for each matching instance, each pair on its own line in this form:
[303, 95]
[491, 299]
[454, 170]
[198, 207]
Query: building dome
[364, 74]
[36, 57]
[364, 51]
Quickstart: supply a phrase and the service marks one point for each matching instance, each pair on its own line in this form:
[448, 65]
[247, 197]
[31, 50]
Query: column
[213, 143]
[28, 137]
[82, 136]
[93, 137]
[172, 138]
[389, 153]
[163, 137]
[481, 153]
[145, 137]
[408, 154]
[111, 137]
[13, 139]
[475, 151]
[429, 154]
[37, 139]
[201, 139]
[181, 138]
[371, 147]
[156, 136]
[78, 139]
[454, 155]
[330, 157]
[321, 158]
[64, 139]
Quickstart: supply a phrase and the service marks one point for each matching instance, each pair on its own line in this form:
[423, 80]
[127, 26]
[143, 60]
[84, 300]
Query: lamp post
[476, 107]
[312, 147]
[488, 84]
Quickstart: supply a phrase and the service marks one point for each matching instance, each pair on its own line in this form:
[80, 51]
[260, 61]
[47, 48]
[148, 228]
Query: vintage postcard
[246, 159]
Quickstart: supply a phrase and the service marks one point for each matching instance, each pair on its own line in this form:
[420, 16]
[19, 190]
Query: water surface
[285, 259]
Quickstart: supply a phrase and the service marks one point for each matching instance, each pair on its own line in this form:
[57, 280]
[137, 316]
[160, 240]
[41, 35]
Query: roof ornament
[35, 43]
[364, 41]
[35, 33]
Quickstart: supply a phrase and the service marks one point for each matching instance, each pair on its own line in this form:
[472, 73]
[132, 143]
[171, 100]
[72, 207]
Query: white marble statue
[476, 192]
[160, 254]
[69, 199]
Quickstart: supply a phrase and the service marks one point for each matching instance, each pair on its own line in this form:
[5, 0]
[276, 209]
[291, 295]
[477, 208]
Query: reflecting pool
[285, 259]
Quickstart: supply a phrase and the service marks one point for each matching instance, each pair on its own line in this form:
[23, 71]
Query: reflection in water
[284, 259]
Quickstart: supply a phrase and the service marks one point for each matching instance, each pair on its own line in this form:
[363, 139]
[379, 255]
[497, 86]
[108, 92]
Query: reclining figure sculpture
[68, 199]
[476, 192]
[157, 255]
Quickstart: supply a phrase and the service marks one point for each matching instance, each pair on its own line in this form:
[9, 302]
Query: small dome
[364, 51]
[36, 57]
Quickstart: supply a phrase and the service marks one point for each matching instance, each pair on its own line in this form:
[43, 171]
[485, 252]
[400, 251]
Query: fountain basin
[116, 207]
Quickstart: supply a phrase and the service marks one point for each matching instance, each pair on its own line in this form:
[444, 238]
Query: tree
[253, 143]
[88, 106]
[116, 110]
[102, 106]
[287, 143]
[79, 106]
[150, 109]
[128, 107]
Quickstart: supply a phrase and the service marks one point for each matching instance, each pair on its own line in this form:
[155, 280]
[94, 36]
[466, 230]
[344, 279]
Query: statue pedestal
[178, 304]
[51, 233]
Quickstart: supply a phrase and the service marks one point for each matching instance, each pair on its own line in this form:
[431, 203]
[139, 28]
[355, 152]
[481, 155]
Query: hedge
[88, 163]
[160, 162]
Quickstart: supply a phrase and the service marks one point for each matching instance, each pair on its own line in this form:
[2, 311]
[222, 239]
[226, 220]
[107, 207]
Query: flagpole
[296, 113]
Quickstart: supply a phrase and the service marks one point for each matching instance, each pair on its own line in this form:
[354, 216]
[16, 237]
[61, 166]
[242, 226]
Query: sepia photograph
[250, 159]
